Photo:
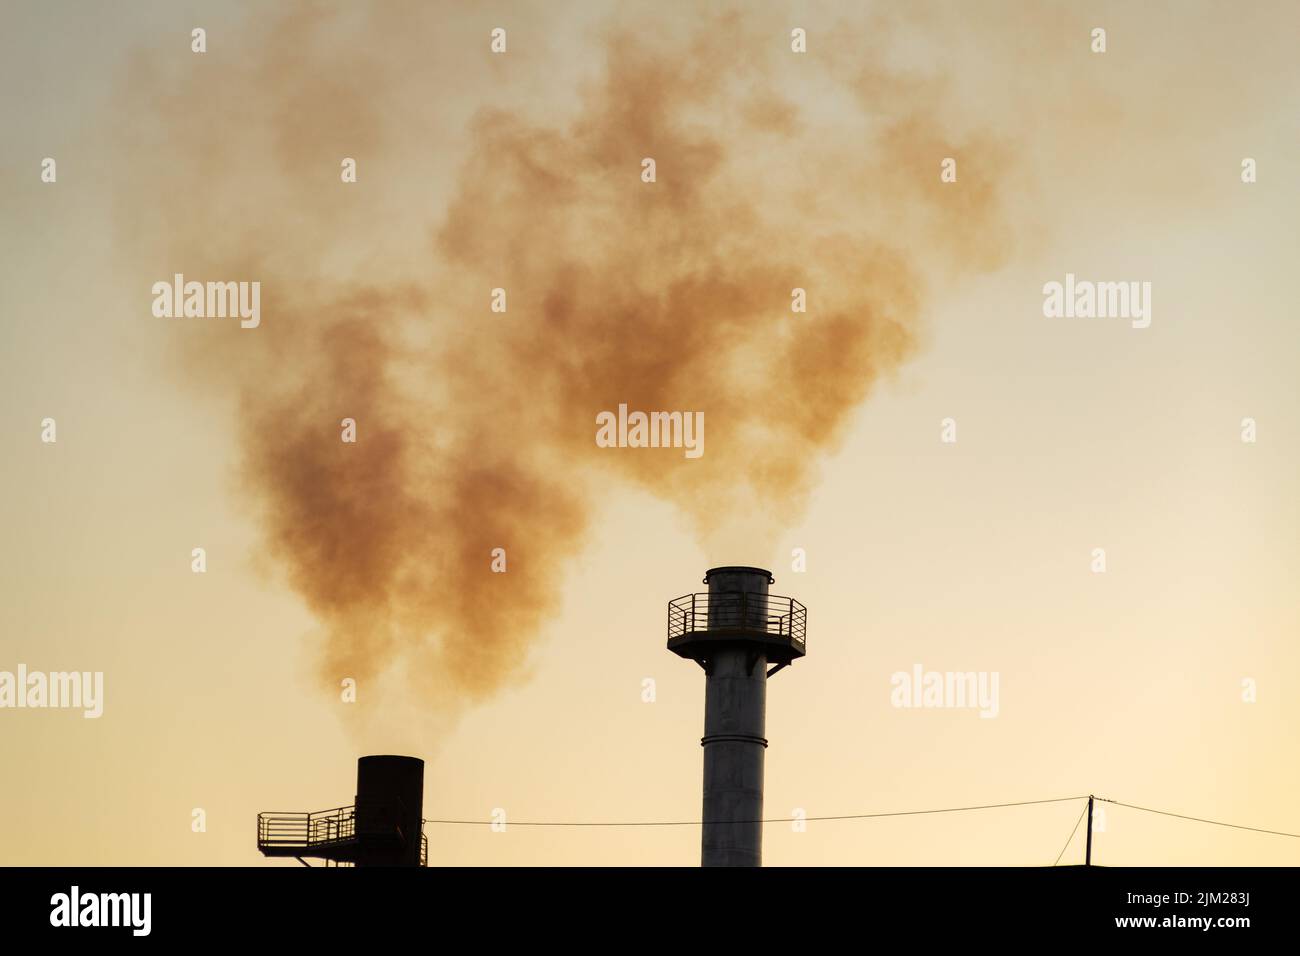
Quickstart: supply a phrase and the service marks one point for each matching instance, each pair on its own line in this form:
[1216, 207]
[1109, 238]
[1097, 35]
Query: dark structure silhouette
[384, 827]
[734, 631]
[1087, 859]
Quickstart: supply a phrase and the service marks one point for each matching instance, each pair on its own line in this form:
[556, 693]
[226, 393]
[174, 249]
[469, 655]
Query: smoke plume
[475, 429]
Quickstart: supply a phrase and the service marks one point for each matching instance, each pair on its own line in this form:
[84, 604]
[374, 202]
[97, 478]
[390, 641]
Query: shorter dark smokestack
[390, 800]
[383, 827]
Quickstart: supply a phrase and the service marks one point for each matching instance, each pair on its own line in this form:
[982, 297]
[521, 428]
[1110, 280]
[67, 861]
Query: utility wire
[697, 823]
[867, 816]
[1217, 823]
[1070, 838]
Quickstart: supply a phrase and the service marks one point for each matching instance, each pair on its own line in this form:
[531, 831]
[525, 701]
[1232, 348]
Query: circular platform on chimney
[701, 624]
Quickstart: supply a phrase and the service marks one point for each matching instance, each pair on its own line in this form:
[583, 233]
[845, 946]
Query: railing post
[692, 628]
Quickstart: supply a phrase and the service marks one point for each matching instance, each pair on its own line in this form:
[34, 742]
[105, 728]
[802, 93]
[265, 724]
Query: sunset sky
[775, 170]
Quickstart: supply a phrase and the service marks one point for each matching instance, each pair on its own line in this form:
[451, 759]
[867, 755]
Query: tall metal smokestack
[734, 631]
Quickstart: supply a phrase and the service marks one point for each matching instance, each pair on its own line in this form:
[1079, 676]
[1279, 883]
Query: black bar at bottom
[662, 907]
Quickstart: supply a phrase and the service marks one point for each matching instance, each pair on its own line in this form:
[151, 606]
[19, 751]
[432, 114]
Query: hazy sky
[775, 169]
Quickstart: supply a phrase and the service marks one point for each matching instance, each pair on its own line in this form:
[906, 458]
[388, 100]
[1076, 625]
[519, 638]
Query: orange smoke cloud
[476, 429]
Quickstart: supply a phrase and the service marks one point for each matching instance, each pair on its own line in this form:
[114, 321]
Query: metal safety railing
[738, 612]
[323, 828]
[306, 829]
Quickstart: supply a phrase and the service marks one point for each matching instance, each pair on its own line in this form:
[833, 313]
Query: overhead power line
[867, 816]
[1217, 823]
[697, 823]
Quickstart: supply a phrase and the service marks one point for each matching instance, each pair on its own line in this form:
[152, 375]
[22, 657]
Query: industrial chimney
[382, 827]
[734, 631]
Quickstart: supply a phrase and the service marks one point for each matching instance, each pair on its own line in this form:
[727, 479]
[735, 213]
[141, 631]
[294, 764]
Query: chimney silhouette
[383, 827]
[734, 631]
